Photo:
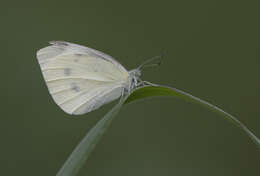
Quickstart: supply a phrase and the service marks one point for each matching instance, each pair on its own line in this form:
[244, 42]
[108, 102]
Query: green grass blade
[87, 144]
[151, 91]
[85, 147]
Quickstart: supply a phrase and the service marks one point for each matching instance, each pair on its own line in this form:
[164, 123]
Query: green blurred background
[213, 51]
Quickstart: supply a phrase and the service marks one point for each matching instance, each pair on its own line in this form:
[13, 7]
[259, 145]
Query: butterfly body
[81, 79]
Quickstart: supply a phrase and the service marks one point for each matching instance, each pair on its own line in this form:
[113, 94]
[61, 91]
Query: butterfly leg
[124, 94]
[145, 83]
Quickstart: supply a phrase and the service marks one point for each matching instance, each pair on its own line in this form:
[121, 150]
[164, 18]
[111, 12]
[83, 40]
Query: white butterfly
[81, 79]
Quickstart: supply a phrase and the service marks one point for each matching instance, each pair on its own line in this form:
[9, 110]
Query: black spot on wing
[77, 55]
[75, 87]
[67, 71]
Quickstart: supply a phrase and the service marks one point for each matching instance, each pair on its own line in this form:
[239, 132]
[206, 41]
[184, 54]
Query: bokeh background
[213, 51]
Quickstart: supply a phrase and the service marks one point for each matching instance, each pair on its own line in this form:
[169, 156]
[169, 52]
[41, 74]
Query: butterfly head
[134, 78]
[134, 75]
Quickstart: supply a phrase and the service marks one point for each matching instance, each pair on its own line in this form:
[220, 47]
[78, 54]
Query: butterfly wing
[81, 79]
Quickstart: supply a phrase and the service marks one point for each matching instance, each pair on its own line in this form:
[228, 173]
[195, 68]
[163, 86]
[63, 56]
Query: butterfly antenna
[154, 61]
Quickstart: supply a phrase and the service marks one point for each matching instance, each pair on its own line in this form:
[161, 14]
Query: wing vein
[64, 78]
[94, 96]
[76, 96]
[59, 91]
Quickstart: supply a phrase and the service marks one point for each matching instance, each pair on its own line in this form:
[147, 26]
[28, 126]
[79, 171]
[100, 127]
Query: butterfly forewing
[81, 79]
